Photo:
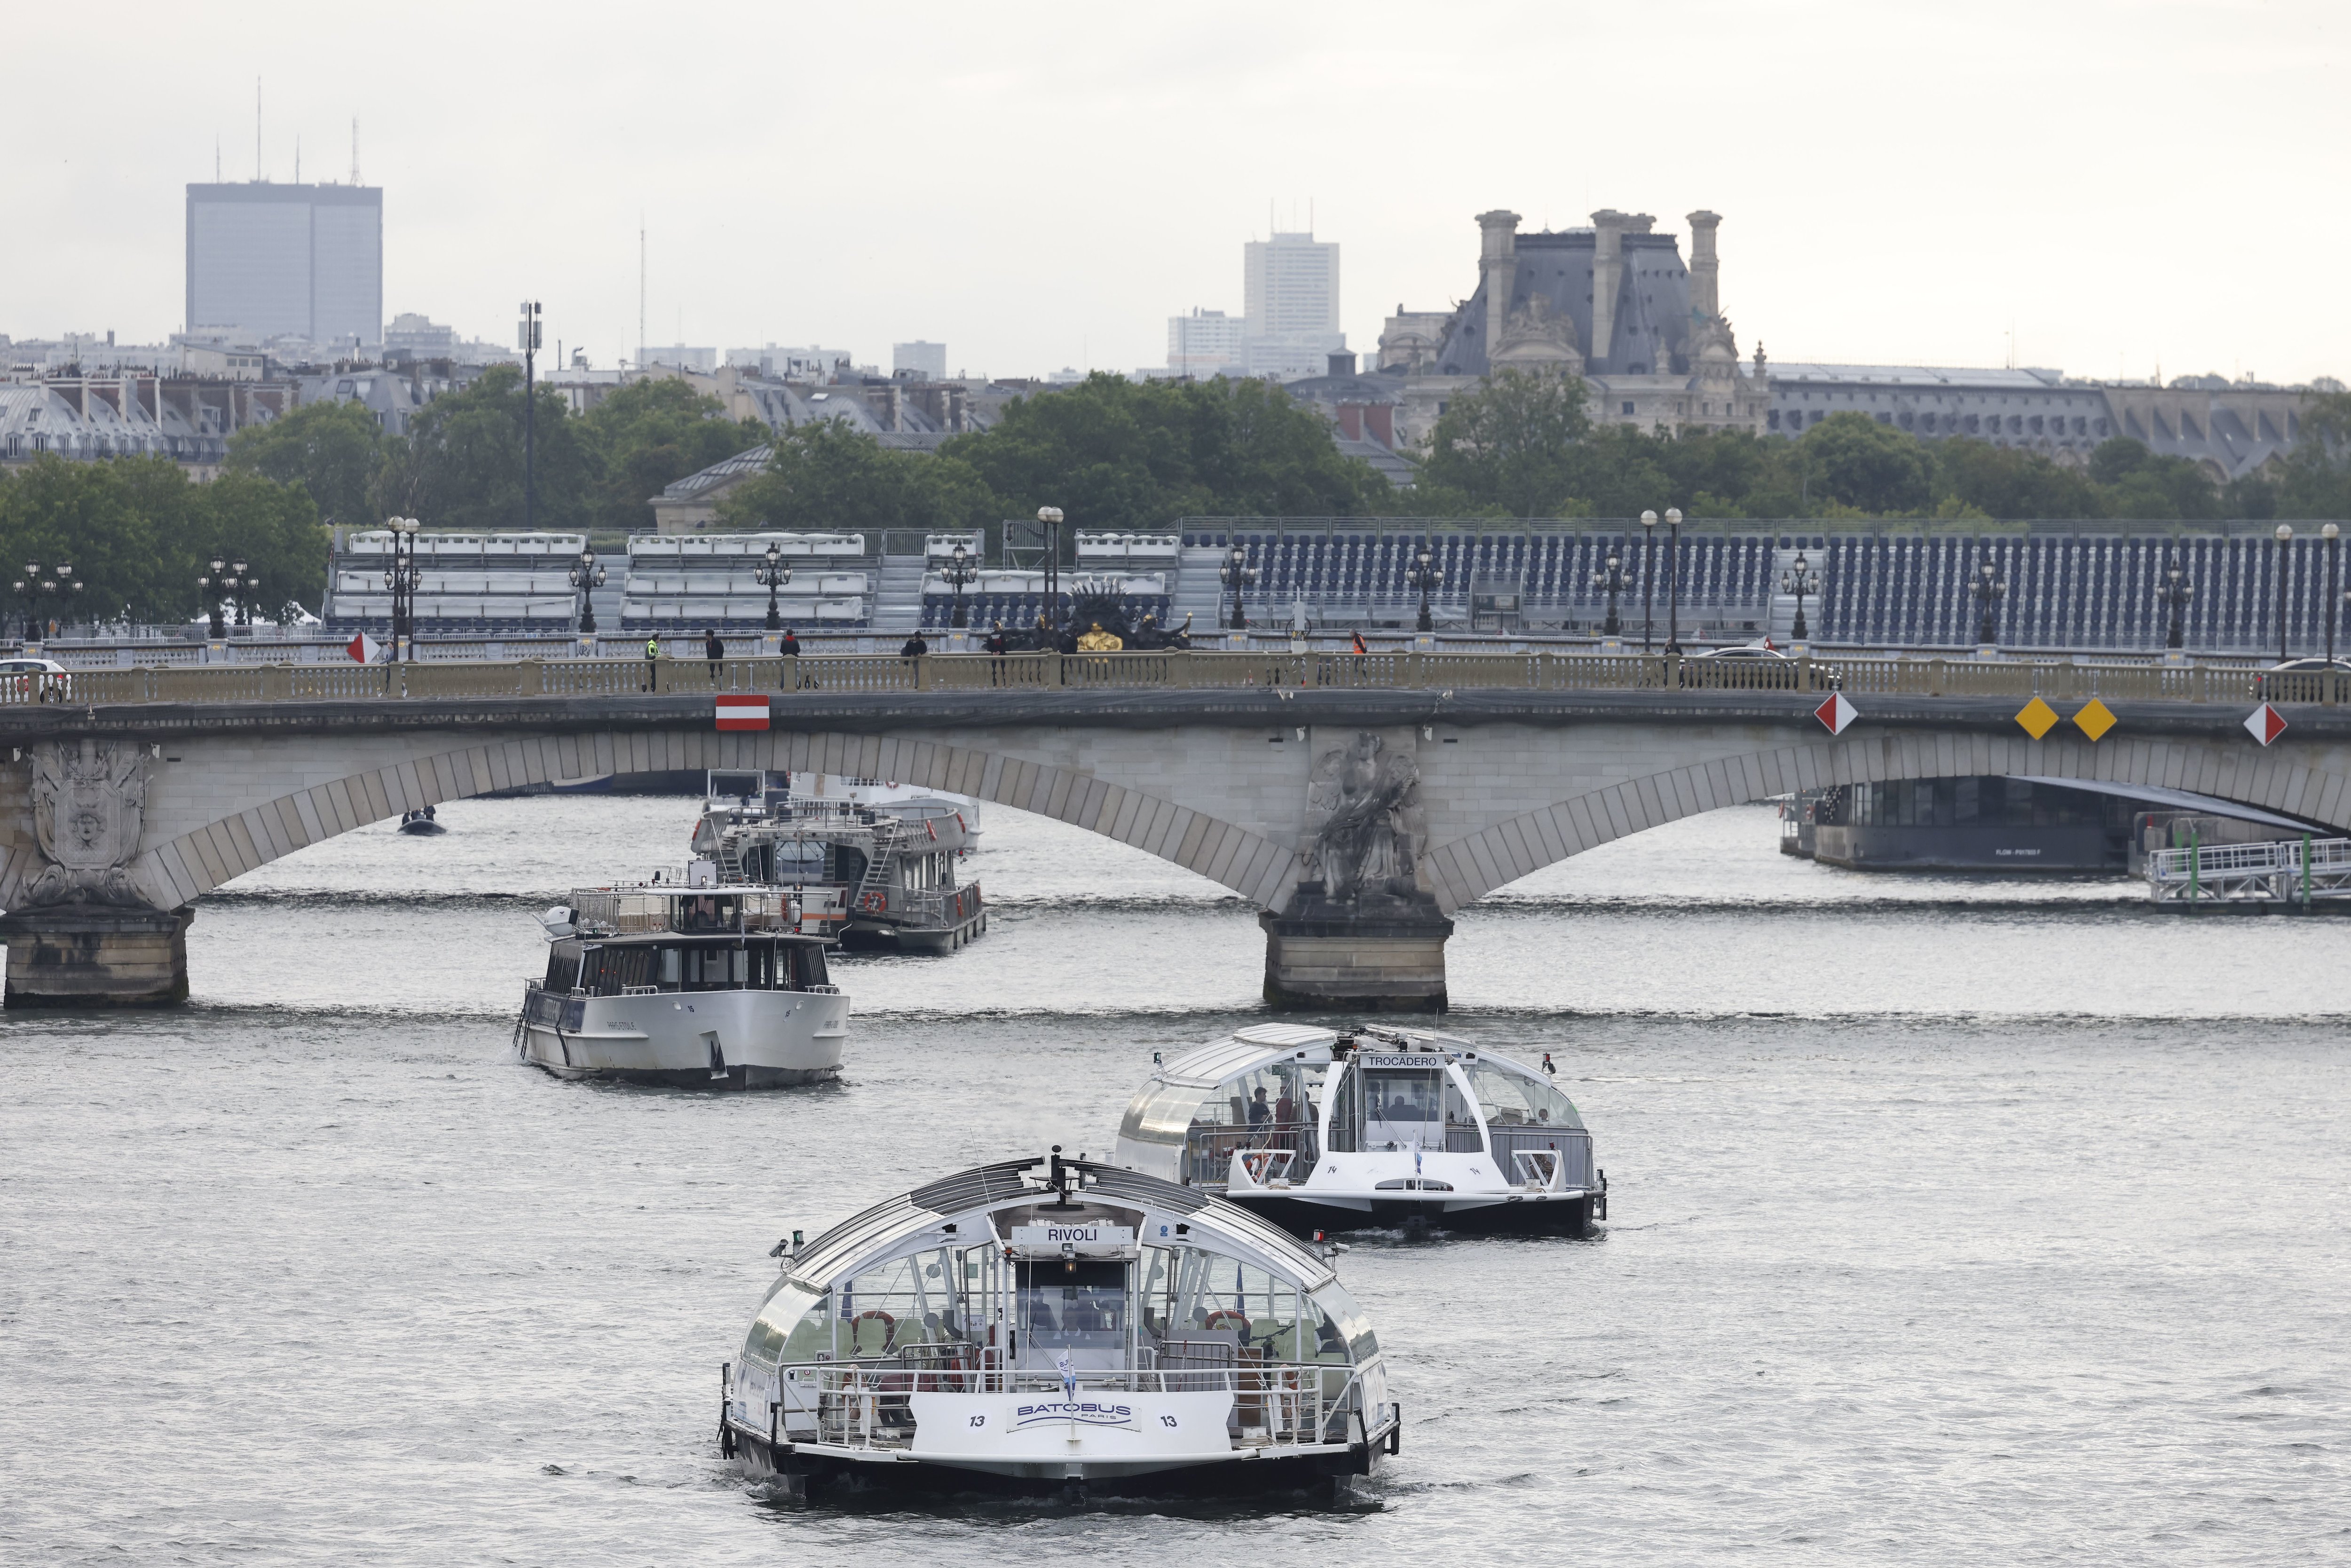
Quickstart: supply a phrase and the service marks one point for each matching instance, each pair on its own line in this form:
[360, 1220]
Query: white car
[26, 680]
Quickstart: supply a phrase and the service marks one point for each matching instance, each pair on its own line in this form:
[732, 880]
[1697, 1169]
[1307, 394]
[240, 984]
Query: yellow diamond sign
[2095, 720]
[2037, 717]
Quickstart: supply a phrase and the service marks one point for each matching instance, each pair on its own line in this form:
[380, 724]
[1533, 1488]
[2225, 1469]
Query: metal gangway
[2282, 871]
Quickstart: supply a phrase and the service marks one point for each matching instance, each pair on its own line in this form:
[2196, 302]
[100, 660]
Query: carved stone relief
[1368, 841]
[89, 800]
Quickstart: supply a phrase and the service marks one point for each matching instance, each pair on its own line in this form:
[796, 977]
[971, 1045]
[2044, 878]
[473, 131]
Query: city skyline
[2004, 207]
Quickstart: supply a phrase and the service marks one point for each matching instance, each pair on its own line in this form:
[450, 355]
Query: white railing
[2277, 871]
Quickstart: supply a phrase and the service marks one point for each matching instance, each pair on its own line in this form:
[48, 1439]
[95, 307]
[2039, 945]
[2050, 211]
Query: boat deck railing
[867, 1402]
[2282, 871]
[1271, 1151]
[688, 911]
[1530, 669]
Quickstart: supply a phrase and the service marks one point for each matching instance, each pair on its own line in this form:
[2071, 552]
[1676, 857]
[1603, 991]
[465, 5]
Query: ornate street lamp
[1051, 517]
[209, 587]
[1989, 591]
[1237, 574]
[401, 578]
[1648, 576]
[241, 583]
[1611, 580]
[2175, 593]
[960, 574]
[772, 574]
[2333, 536]
[39, 590]
[1800, 579]
[588, 577]
[1424, 575]
[1674, 579]
[2284, 537]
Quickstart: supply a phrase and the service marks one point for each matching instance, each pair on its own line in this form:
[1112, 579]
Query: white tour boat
[1045, 1323]
[1322, 1129]
[690, 986]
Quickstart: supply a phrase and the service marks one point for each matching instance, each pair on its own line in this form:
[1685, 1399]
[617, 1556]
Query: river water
[1955, 1222]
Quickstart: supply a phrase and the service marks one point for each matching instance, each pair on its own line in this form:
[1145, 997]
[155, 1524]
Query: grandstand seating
[466, 583]
[682, 583]
[1893, 584]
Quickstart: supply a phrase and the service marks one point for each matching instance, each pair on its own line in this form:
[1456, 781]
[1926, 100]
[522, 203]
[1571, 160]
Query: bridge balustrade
[1857, 678]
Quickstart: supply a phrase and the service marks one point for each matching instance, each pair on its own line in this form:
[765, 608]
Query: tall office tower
[1289, 294]
[300, 261]
[919, 360]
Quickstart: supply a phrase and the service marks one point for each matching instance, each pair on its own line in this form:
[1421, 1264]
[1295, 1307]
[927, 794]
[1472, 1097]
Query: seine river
[1955, 1222]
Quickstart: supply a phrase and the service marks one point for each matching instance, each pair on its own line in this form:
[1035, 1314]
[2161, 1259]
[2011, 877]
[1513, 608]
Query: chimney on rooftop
[1498, 256]
[1705, 269]
[1342, 364]
[1607, 277]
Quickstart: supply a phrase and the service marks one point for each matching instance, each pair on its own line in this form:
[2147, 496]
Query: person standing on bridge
[915, 647]
[652, 663]
[789, 676]
[714, 651]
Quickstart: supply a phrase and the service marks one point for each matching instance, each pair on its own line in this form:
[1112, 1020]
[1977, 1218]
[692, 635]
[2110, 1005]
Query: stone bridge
[1358, 817]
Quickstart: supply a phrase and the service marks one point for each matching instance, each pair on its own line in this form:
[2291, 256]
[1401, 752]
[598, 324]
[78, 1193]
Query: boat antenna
[1060, 1179]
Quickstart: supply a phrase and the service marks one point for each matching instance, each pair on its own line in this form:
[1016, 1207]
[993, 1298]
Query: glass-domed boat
[1321, 1129]
[1041, 1324]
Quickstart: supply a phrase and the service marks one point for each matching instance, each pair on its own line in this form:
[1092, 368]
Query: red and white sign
[741, 713]
[364, 649]
[2265, 724]
[1836, 713]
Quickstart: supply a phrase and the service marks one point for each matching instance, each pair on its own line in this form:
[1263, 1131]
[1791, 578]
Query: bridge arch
[190, 863]
[1468, 868]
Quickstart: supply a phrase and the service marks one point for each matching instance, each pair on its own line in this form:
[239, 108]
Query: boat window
[1162, 1114]
[1347, 1115]
[1278, 1097]
[793, 1324]
[809, 963]
[1520, 1099]
[1196, 1301]
[1404, 1107]
[562, 966]
[895, 1307]
[1070, 1304]
[1354, 1329]
[671, 967]
[796, 860]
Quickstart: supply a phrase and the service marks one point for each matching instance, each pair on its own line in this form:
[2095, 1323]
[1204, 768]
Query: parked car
[2267, 690]
[28, 680]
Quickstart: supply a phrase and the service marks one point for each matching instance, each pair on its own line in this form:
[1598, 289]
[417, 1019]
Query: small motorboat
[1041, 1324]
[421, 821]
[1321, 1129]
[693, 988]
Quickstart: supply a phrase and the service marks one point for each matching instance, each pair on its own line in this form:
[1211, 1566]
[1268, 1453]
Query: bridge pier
[97, 956]
[1382, 955]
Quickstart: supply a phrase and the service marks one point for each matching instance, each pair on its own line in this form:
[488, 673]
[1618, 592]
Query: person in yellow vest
[653, 664]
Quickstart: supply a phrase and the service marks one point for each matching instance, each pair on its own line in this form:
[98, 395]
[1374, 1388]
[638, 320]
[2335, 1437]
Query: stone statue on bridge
[88, 800]
[1366, 845]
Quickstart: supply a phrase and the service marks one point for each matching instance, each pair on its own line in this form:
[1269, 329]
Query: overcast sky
[2121, 185]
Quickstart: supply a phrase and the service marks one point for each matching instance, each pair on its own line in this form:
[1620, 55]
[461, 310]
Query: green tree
[647, 435]
[2134, 482]
[1853, 461]
[831, 476]
[331, 449]
[1511, 442]
[2011, 482]
[2315, 479]
[1114, 454]
[461, 464]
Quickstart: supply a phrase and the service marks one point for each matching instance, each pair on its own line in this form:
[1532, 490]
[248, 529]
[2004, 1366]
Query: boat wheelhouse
[1042, 1323]
[871, 869]
[1321, 1129]
[694, 987]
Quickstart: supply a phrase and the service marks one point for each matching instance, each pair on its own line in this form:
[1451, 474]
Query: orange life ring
[1221, 1313]
[889, 1327]
[875, 903]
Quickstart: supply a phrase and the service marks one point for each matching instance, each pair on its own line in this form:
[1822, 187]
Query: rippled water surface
[1955, 1221]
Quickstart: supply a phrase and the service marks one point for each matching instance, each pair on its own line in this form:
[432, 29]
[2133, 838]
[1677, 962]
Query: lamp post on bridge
[402, 577]
[1989, 591]
[1673, 579]
[1235, 574]
[1648, 576]
[1612, 580]
[1800, 579]
[2285, 538]
[242, 583]
[1424, 575]
[588, 577]
[2333, 535]
[1050, 516]
[771, 574]
[39, 590]
[2175, 593]
[960, 574]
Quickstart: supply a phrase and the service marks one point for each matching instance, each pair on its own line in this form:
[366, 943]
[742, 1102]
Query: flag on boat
[364, 649]
[1069, 1374]
[741, 713]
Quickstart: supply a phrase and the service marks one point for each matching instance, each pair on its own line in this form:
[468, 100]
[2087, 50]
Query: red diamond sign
[1835, 713]
[2265, 724]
